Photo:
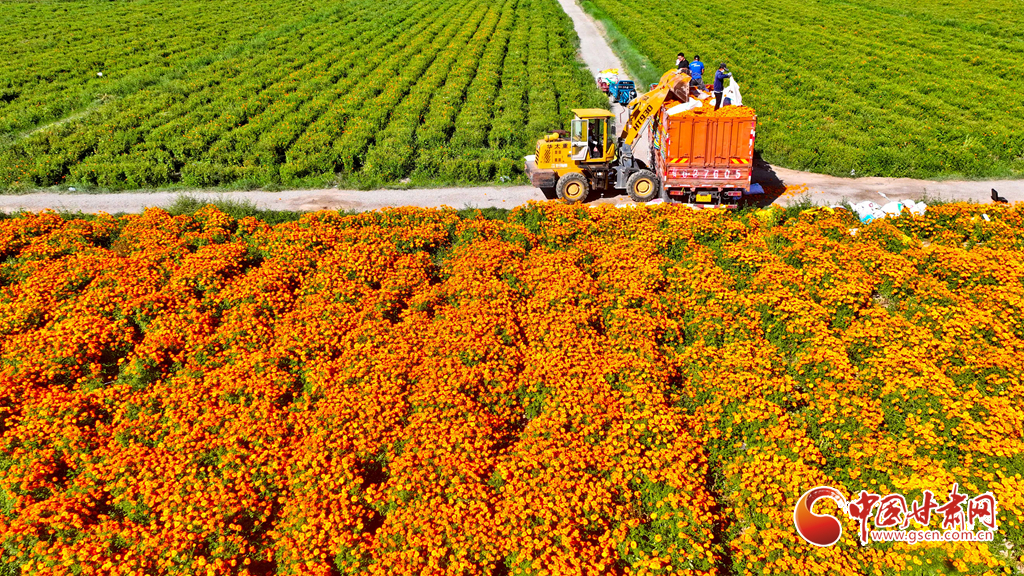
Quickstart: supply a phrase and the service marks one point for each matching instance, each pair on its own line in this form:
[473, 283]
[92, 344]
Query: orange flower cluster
[708, 109]
[732, 112]
[568, 391]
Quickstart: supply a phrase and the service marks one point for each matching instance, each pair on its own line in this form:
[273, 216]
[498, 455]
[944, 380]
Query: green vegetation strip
[115, 96]
[857, 87]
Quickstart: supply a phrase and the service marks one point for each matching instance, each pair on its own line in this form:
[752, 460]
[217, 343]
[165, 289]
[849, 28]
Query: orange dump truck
[704, 159]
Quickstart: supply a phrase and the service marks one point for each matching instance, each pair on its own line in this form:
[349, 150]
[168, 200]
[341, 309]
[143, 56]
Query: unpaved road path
[298, 200]
[597, 55]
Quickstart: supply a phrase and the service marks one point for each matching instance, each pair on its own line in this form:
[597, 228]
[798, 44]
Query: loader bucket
[679, 87]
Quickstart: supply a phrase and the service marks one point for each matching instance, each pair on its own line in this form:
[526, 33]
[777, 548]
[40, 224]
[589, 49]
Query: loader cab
[592, 136]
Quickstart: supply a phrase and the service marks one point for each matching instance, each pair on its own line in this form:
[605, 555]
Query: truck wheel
[572, 188]
[642, 186]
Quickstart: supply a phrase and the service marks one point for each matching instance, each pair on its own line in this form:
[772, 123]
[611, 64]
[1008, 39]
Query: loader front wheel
[642, 186]
[572, 188]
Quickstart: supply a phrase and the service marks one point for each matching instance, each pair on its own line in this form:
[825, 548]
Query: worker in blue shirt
[720, 77]
[697, 69]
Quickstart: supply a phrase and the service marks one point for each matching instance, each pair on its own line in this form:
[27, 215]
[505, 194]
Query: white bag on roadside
[894, 208]
[868, 211]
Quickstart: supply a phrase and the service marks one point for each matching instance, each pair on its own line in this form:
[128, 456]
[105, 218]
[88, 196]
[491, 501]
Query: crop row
[51, 53]
[373, 92]
[166, 118]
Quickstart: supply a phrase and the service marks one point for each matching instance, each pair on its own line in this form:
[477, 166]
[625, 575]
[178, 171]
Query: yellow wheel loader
[591, 157]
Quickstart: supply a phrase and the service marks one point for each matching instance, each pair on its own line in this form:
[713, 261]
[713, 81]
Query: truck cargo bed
[698, 152]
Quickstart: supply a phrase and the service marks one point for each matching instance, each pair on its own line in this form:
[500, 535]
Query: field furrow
[366, 92]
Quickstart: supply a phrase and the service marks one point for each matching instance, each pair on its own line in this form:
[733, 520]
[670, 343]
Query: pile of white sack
[868, 211]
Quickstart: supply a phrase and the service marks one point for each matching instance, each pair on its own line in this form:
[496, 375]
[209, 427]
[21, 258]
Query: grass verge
[237, 209]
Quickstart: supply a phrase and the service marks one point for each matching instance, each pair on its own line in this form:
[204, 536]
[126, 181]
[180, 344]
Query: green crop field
[928, 89]
[155, 93]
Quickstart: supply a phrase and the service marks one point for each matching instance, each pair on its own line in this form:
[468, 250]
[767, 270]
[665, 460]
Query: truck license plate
[703, 197]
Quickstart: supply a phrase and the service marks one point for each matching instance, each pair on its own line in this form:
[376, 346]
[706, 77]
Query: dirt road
[597, 55]
[302, 200]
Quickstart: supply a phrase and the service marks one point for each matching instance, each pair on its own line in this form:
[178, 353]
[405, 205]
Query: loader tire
[643, 186]
[572, 188]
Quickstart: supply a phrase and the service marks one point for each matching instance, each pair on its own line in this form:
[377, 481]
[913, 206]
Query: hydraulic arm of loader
[644, 105]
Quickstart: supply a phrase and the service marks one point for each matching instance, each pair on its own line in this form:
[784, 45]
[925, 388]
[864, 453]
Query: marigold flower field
[566, 391]
[920, 89]
[214, 93]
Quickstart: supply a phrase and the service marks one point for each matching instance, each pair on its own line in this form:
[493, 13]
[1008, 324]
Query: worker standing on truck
[682, 64]
[720, 77]
[697, 69]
